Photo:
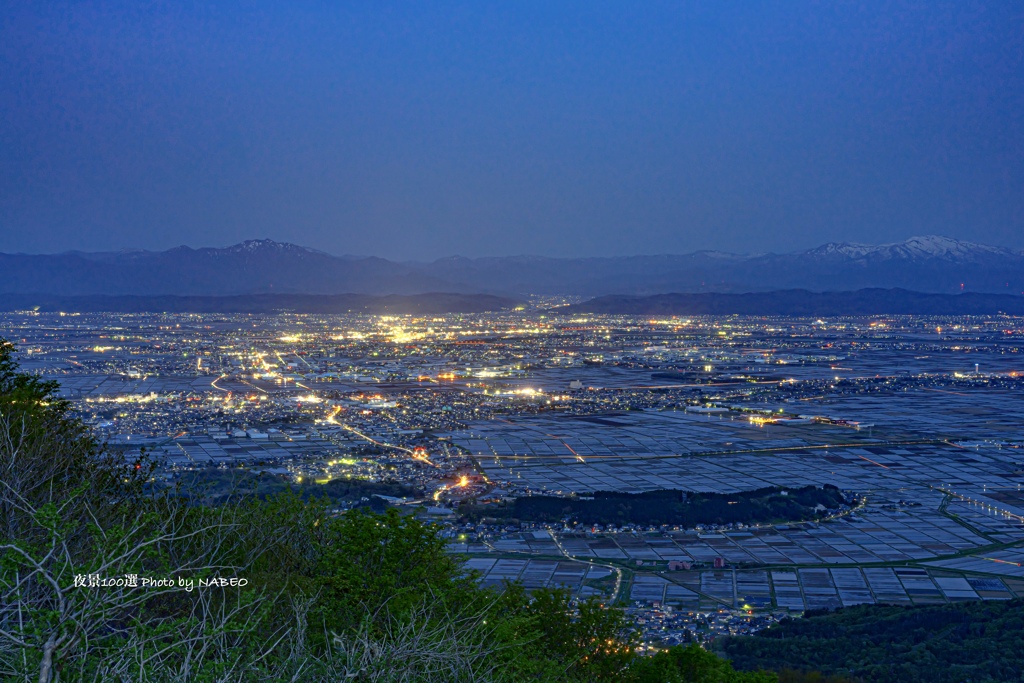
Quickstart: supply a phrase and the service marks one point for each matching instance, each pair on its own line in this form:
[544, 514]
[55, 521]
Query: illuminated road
[463, 483]
[566, 555]
[284, 363]
[252, 385]
[698, 454]
[986, 504]
[617, 570]
[416, 455]
[550, 436]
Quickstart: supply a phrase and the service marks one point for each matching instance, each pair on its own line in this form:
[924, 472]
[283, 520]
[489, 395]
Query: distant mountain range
[926, 264]
[253, 267]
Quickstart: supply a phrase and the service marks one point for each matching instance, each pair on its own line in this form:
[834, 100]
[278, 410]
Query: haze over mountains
[925, 264]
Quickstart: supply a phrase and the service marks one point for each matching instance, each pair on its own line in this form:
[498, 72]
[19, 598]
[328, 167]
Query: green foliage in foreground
[688, 509]
[974, 641]
[692, 663]
[359, 597]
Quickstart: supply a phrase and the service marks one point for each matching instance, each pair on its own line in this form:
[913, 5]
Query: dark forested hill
[761, 506]
[980, 641]
[801, 302]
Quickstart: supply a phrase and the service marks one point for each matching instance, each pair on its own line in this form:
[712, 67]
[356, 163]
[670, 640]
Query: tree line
[683, 508]
[979, 641]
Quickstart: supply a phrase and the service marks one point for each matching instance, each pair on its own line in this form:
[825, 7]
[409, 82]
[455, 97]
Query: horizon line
[129, 250]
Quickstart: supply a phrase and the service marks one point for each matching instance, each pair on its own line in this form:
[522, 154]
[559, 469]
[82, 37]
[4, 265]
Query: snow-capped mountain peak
[917, 248]
[937, 246]
[267, 246]
[847, 249]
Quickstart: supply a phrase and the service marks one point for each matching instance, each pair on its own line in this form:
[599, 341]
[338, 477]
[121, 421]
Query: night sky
[421, 130]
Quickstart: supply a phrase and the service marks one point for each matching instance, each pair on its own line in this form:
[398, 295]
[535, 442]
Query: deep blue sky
[424, 129]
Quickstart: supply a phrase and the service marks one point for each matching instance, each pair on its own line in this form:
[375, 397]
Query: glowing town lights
[291, 338]
[309, 398]
[400, 336]
[463, 481]
[131, 398]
